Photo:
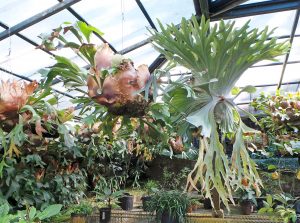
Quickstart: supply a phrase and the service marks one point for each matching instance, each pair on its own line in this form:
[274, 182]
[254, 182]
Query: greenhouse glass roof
[124, 24]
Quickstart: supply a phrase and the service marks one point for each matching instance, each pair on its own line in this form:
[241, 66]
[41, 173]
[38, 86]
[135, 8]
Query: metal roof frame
[37, 18]
[218, 9]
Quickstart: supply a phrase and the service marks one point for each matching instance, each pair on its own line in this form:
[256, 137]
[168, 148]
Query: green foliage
[282, 210]
[173, 181]
[217, 57]
[108, 196]
[174, 202]
[83, 208]
[280, 120]
[247, 194]
[30, 215]
[151, 187]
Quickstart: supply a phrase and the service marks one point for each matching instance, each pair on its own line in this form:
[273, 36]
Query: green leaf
[49, 211]
[4, 209]
[32, 213]
[272, 167]
[87, 30]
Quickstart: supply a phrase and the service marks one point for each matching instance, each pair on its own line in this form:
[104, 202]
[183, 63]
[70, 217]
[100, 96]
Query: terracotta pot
[246, 207]
[189, 209]
[79, 218]
[194, 207]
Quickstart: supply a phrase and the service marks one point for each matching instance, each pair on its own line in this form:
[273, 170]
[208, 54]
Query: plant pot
[167, 218]
[189, 209]
[105, 214]
[126, 202]
[79, 218]
[207, 203]
[286, 187]
[194, 207]
[145, 200]
[246, 207]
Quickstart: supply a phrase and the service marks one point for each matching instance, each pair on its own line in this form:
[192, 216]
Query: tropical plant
[282, 210]
[30, 215]
[108, 196]
[173, 202]
[247, 195]
[83, 208]
[280, 120]
[216, 57]
[151, 187]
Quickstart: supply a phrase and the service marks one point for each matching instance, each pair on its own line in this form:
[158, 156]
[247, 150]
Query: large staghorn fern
[217, 57]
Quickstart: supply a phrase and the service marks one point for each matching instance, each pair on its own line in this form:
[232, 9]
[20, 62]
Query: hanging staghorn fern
[217, 57]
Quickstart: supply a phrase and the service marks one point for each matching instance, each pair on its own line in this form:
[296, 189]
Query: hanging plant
[115, 83]
[216, 57]
[112, 79]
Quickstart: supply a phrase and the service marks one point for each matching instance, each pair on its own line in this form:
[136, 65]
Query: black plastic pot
[145, 199]
[246, 207]
[78, 218]
[126, 202]
[167, 218]
[207, 203]
[105, 214]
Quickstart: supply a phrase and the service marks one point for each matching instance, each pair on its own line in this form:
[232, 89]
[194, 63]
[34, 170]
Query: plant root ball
[136, 108]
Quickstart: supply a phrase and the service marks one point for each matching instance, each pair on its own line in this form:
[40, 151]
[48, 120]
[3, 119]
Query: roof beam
[80, 18]
[221, 6]
[204, 6]
[144, 11]
[295, 24]
[248, 10]
[26, 39]
[259, 8]
[197, 7]
[30, 80]
[37, 18]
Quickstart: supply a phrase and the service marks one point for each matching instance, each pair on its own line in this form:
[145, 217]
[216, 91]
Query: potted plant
[126, 202]
[169, 206]
[217, 57]
[195, 204]
[151, 187]
[247, 200]
[107, 196]
[80, 212]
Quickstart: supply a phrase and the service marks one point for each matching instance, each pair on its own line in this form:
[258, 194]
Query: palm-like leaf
[220, 53]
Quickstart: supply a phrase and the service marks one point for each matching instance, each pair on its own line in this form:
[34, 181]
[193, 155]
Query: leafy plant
[108, 196]
[83, 208]
[216, 57]
[30, 215]
[247, 195]
[284, 210]
[151, 187]
[173, 202]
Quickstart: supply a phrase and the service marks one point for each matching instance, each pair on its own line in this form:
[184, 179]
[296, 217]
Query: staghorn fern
[217, 57]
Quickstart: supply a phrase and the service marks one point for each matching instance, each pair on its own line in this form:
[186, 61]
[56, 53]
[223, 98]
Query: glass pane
[283, 25]
[291, 73]
[169, 11]
[22, 58]
[143, 55]
[295, 50]
[47, 25]
[259, 76]
[120, 31]
[13, 12]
